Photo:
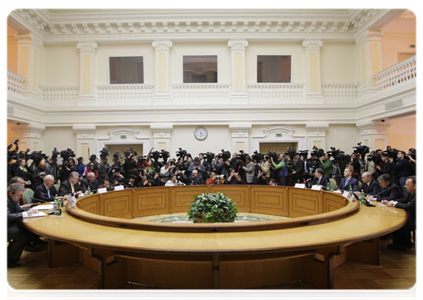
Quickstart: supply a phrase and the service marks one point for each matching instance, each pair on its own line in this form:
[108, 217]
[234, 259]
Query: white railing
[276, 91]
[200, 91]
[121, 94]
[340, 91]
[15, 83]
[398, 74]
[60, 95]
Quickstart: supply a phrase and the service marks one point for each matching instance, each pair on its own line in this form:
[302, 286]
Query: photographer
[195, 178]
[298, 172]
[67, 168]
[233, 177]
[356, 165]
[249, 169]
[19, 169]
[326, 164]
[403, 169]
[281, 169]
[166, 172]
[217, 165]
[261, 178]
[312, 163]
[195, 165]
[212, 179]
[81, 166]
[40, 172]
[386, 167]
[173, 181]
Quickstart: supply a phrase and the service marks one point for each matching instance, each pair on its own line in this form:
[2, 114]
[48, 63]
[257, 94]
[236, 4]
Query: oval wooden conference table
[321, 231]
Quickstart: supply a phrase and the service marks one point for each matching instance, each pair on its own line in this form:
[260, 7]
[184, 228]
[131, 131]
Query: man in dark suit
[370, 186]
[348, 181]
[390, 191]
[402, 237]
[71, 186]
[45, 191]
[17, 235]
[320, 178]
[91, 182]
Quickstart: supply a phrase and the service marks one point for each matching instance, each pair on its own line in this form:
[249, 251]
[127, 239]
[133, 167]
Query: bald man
[370, 186]
[45, 191]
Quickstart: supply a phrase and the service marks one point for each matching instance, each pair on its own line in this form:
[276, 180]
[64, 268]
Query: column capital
[162, 45]
[373, 127]
[237, 45]
[84, 129]
[317, 128]
[87, 47]
[369, 36]
[312, 45]
[29, 39]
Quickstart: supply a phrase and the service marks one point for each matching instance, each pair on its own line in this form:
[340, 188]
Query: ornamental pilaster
[374, 134]
[370, 57]
[314, 82]
[316, 135]
[162, 71]
[240, 137]
[85, 141]
[162, 134]
[238, 71]
[87, 51]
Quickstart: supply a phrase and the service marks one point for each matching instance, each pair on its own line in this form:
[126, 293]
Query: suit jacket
[41, 193]
[371, 188]
[323, 181]
[408, 203]
[392, 192]
[14, 213]
[66, 189]
[93, 186]
[352, 182]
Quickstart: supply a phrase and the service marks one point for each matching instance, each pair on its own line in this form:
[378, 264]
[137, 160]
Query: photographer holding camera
[403, 169]
[249, 169]
[281, 169]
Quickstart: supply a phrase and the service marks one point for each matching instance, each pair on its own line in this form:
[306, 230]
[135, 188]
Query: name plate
[118, 188]
[317, 187]
[346, 194]
[300, 185]
[102, 190]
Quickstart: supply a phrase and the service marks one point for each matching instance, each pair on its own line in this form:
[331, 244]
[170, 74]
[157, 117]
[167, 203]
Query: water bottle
[363, 198]
[59, 207]
[55, 203]
[89, 191]
[351, 191]
[328, 186]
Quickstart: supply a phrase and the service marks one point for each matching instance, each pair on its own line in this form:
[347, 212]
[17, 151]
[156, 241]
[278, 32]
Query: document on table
[45, 207]
[38, 214]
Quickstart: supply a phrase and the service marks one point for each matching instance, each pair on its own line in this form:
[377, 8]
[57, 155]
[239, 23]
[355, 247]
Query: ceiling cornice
[66, 26]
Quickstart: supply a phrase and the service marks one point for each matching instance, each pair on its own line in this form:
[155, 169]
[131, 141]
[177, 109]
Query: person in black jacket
[91, 182]
[403, 169]
[390, 191]
[370, 186]
[71, 186]
[348, 181]
[17, 235]
[46, 191]
[402, 237]
[320, 178]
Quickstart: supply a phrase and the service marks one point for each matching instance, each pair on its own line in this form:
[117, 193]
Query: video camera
[258, 157]
[66, 154]
[361, 149]
[208, 157]
[273, 155]
[318, 152]
[181, 153]
[291, 153]
[303, 153]
[104, 154]
[225, 155]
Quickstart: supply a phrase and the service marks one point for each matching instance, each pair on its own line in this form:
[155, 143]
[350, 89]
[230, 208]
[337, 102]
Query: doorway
[121, 149]
[277, 147]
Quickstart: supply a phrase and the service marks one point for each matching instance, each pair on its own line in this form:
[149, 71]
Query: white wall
[104, 51]
[179, 49]
[59, 137]
[344, 137]
[339, 63]
[59, 65]
[295, 49]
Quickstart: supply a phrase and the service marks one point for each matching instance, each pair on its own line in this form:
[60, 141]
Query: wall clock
[200, 133]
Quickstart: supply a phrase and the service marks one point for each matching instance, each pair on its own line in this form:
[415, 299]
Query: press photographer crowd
[386, 175]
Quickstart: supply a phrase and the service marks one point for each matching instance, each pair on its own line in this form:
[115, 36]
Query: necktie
[72, 188]
[48, 192]
[346, 183]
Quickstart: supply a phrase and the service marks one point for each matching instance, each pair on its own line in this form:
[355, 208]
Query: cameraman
[386, 167]
[298, 173]
[40, 172]
[81, 166]
[281, 169]
[356, 165]
[249, 169]
[166, 171]
[403, 169]
[19, 169]
[327, 165]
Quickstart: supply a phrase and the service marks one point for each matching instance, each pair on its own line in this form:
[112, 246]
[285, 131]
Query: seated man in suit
[17, 234]
[91, 182]
[46, 191]
[402, 237]
[390, 191]
[370, 186]
[348, 181]
[71, 186]
[320, 178]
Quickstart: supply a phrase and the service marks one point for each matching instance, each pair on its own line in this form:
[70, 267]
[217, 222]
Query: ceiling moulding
[76, 24]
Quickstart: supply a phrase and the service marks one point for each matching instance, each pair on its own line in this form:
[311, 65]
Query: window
[273, 68]
[126, 70]
[200, 69]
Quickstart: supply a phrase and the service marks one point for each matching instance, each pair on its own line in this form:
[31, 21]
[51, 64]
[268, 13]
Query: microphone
[380, 193]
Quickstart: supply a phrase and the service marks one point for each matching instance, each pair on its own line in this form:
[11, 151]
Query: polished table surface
[367, 223]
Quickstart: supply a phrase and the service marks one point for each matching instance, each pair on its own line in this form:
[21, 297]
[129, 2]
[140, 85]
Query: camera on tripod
[361, 149]
[318, 152]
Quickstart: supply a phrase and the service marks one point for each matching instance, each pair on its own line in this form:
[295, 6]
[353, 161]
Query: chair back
[333, 184]
[27, 196]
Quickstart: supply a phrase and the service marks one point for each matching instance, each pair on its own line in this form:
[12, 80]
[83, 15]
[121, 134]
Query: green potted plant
[212, 208]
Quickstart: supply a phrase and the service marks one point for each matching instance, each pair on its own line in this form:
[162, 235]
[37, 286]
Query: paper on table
[38, 214]
[45, 207]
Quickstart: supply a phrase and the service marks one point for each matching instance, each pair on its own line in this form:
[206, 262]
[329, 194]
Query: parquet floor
[396, 271]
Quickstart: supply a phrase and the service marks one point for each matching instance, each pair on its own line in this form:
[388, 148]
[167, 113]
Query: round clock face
[200, 133]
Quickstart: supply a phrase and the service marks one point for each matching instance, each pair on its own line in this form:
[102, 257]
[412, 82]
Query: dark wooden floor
[396, 271]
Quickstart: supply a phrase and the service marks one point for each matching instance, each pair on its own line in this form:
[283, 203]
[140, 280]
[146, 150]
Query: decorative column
[162, 136]
[316, 135]
[162, 72]
[239, 86]
[85, 141]
[370, 58]
[314, 83]
[87, 52]
[29, 46]
[374, 134]
[29, 136]
[240, 134]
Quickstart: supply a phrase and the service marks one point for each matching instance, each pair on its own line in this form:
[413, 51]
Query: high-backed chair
[333, 184]
[27, 196]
